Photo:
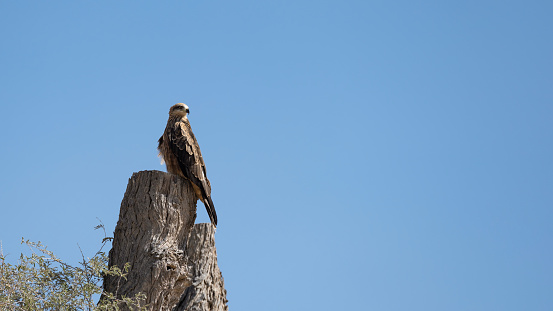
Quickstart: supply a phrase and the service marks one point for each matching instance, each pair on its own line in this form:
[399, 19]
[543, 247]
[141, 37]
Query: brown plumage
[181, 153]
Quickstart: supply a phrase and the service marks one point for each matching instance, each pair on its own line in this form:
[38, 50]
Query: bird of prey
[181, 153]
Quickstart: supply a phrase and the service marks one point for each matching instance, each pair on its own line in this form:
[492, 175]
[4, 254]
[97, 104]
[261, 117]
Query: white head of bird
[180, 110]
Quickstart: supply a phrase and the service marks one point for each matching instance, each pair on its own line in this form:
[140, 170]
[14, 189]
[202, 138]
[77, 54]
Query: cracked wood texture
[173, 261]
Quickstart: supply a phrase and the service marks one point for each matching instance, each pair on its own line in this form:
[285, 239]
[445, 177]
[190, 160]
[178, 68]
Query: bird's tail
[210, 210]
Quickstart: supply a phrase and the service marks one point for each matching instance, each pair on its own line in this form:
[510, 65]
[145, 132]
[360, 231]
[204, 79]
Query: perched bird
[181, 153]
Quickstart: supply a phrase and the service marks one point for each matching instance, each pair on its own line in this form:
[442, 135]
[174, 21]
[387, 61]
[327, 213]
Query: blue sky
[364, 155]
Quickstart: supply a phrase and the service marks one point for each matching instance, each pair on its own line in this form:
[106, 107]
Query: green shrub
[42, 281]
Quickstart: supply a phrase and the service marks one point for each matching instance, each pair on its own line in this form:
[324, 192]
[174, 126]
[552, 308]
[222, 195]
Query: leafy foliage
[42, 281]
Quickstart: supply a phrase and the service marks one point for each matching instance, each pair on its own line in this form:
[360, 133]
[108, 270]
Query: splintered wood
[173, 262]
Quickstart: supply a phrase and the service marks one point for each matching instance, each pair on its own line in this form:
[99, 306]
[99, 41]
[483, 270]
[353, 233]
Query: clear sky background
[364, 155]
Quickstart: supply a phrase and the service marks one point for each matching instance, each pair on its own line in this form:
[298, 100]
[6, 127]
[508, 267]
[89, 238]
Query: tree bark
[173, 262]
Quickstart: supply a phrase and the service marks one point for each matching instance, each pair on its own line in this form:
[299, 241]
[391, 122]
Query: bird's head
[180, 110]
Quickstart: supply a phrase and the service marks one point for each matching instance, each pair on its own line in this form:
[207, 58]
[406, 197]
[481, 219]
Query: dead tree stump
[173, 262]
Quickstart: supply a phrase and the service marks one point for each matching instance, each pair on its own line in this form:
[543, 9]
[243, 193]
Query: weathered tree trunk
[173, 262]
